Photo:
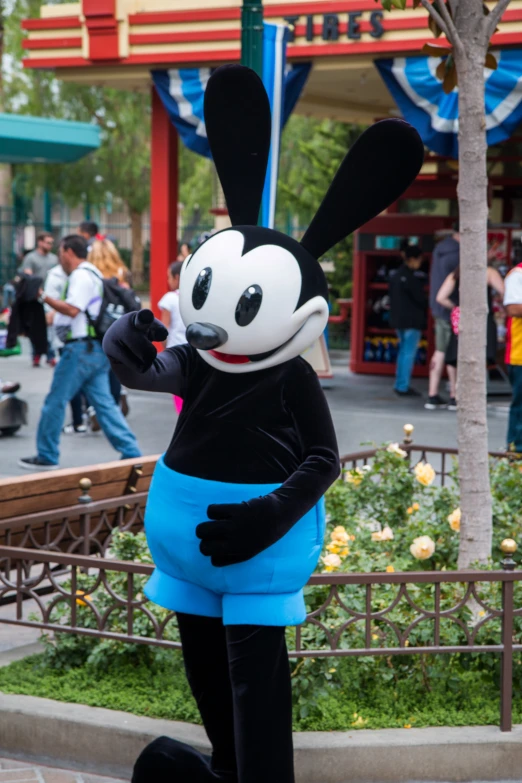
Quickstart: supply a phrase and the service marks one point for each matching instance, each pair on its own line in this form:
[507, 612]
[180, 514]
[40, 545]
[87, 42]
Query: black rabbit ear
[237, 119]
[378, 168]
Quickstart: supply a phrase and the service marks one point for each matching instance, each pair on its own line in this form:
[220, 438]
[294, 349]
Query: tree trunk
[476, 524]
[137, 247]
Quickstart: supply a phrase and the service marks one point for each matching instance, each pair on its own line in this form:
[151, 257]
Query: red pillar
[163, 199]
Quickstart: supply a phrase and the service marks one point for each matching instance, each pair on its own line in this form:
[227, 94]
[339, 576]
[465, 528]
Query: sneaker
[36, 361]
[70, 429]
[452, 404]
[435, 403]
[52, 362]
[93, 421]
[36, 463]
[408, 393]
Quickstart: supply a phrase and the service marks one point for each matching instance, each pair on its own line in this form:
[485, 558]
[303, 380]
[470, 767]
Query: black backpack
[116, 302]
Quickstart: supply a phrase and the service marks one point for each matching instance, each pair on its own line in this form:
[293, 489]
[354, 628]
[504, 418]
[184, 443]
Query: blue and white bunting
[419, 95]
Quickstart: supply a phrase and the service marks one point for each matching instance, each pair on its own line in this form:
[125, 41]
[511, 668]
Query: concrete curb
[108, 742]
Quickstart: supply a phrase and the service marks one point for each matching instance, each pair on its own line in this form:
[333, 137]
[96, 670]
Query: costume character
[235, 517]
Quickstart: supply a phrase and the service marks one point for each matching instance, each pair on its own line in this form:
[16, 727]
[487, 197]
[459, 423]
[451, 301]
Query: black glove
[129, 340]
[242, 530]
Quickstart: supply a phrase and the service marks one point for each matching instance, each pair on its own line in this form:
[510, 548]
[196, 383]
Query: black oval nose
[206, 336]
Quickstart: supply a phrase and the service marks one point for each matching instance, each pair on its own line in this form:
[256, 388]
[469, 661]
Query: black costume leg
[260, 675]
[206, 662]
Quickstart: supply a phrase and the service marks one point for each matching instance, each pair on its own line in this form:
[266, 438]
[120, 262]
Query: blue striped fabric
[181, 92]
[420, 97]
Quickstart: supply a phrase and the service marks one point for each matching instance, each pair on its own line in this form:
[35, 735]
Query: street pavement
[22, 772]
[25, 772]
[363, 407]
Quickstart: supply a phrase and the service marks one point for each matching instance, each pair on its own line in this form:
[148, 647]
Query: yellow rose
[79, 600]
[344, 551]
[339, 529]
[354, 476]
[340, 537]
[333, 548]
[415, 506]
[390, 570]
[424, 473]
[409, 510]
[394, 448]
[422, 547]
[386, 534]
[331, 562]
[454, 520]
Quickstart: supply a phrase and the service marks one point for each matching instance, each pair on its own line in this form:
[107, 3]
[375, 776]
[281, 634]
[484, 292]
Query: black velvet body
[251, 428]
[272, 426]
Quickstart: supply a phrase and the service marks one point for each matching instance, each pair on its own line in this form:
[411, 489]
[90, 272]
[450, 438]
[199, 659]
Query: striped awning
[419, 95]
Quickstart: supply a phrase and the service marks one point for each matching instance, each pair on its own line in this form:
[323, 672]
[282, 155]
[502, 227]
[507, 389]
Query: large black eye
[201, 288]
[248, 305]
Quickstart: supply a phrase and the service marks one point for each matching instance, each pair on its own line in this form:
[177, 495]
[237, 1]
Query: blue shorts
[265, 590]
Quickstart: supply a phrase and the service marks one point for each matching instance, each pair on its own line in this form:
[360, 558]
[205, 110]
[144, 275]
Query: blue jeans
[88, 371]
[409, 341]
[514, 437]
[77, 400]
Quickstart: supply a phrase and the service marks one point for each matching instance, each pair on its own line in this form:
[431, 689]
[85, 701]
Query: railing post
[85, 519]
[509, 547]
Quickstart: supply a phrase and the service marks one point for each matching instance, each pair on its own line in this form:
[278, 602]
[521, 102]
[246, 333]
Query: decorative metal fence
[56, 568]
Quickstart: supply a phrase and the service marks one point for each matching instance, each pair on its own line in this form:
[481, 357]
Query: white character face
[241, 311]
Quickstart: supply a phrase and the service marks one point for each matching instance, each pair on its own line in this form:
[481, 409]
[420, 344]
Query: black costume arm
[135, 360]
[242, 530]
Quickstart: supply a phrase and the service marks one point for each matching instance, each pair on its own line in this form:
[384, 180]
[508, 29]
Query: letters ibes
[333, 26]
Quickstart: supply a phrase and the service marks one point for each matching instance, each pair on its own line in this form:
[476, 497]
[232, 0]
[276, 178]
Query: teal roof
[25, 139]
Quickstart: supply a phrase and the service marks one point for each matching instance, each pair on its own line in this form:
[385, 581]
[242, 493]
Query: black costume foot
[168, 761]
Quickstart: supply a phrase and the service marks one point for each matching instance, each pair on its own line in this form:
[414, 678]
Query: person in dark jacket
[444, 261]
[408, 315]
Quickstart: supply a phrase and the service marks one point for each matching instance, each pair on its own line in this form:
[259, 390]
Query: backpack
[116, 302]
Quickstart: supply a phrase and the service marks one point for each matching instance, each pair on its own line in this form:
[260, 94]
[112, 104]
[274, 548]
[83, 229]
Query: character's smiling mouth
[234, 358]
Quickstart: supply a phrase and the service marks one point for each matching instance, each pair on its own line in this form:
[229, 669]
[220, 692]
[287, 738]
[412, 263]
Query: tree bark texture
[476, 506]
[137, 247]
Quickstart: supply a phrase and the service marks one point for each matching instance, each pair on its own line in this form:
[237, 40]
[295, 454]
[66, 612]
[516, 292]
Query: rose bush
[386, 516]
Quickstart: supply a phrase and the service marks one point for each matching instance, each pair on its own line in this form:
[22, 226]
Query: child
[170, 315]
[408, 315]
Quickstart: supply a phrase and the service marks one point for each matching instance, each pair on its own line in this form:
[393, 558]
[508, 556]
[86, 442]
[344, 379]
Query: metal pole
[252, 35]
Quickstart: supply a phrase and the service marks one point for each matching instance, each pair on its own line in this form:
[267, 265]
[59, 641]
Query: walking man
[513, 305]
[83, 365]
[445, 260]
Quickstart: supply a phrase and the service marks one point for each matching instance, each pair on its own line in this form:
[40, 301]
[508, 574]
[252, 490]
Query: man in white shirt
[83, 365]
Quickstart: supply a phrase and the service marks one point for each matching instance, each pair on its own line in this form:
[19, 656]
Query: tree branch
[444, 21]
[495, 16]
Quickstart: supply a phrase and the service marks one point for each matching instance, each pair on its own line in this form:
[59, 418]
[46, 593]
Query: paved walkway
[363, 408]
[22, 772]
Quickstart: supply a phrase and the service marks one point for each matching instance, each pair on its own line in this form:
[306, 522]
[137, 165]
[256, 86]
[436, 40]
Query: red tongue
[229, 358]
